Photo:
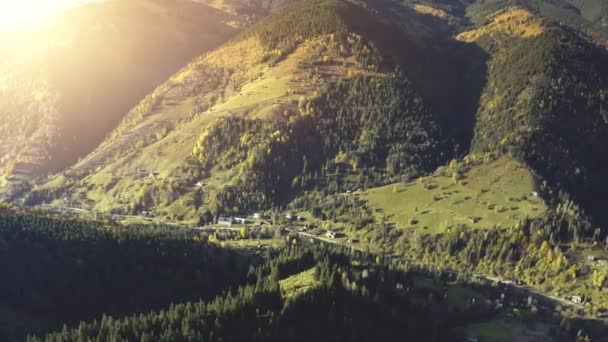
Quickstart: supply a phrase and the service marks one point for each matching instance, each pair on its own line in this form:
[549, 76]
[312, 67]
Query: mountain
[545, 101]
[317, 97]
[588, 16]
[436, 164]
[256, 97]
[66, 85]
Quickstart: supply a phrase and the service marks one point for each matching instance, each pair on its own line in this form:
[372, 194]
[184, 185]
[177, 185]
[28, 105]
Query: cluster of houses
[229, 221]
[596, 261]
[292, 217]
[147, 174]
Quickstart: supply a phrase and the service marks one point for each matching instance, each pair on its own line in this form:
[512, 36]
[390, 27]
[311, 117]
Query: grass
[491, 331]
[298, 284]
[497, 193]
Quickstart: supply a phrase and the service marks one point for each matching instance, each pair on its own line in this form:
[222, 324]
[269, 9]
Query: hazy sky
[15, 14]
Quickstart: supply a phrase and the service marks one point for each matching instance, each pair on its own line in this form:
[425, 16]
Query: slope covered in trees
[545, 101]
[587, 16]
[316, 97]
[356, 298]
[307, 67]
[58, 270]
[241, 128]
[353, 302]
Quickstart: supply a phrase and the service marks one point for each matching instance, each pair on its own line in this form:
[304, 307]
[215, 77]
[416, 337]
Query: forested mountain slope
[461, 136]
[545, 100]
[242, 127]
[66, 85]
[317, 97]
[60, 270]
[587, 16]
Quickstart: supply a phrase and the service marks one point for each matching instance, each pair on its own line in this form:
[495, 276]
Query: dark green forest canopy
[58, 270]
[354, 303]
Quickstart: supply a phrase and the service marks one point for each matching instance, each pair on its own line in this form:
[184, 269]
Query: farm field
[497, 193]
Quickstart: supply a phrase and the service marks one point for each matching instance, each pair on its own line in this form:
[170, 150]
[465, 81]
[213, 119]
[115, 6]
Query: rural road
[488, 279]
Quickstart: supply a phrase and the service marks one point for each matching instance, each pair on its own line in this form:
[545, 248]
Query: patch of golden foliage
[512, 21]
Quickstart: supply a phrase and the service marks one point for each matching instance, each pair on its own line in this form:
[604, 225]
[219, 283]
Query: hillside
[102, 280]
[66, 85]
[587, 16]
[224, 124]
[545, 101]
[424, 170]
[493, 193]
[286, 108]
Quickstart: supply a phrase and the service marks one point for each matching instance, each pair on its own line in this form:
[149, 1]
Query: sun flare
[16, 14]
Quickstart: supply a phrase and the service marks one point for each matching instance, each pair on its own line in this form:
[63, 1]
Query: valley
[331, 170]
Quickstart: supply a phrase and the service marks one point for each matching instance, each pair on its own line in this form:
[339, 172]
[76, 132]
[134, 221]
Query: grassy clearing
[298, 284]
[491, 331]
[496, 193]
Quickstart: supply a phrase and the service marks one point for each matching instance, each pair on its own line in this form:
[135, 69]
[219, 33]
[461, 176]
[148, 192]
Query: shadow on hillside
[448, 74]
[49, 281]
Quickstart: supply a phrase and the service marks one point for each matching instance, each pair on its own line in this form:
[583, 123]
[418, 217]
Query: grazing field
[496, 193]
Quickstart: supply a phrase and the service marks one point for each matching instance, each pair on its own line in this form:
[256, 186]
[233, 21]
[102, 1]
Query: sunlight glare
[17, 14]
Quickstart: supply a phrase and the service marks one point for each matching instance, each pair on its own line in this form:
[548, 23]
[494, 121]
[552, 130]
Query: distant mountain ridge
[588, 16]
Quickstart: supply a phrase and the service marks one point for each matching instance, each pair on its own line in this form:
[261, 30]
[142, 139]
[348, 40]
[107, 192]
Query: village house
[576, 299]
[289, 216]
[257, 216]
[239, 220]
[331, 234]
[224, 221]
